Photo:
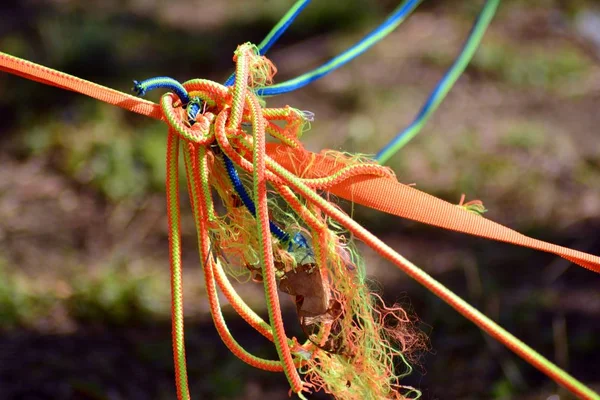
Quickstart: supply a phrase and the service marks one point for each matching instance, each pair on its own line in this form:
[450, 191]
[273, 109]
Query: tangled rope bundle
[350, 351]
[284, 234]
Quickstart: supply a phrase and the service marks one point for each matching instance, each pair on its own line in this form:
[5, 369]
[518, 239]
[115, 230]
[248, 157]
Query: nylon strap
[388, 195]
[49, 76]
[380, 193]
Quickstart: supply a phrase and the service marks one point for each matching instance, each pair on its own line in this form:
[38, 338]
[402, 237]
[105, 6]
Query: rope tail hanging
[278, 229]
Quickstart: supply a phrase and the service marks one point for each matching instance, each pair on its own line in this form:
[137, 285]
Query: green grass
[524, 135]
[104, 151]
[21, 301]
[115, 295]
[532, 66]
[118, 296]
[524, 65]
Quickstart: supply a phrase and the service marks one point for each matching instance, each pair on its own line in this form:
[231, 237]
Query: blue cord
[193, 108]
[444, 85]
[234, 177]
[299, 240]
[161, 82]
[275, 34]
[241, 191]
[357, 49]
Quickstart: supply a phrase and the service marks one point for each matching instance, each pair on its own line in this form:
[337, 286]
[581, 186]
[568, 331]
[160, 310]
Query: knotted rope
[287, 235]
[218, 138]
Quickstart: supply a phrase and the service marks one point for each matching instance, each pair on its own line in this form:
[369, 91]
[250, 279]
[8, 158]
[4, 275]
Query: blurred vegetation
[103, 151]
[83, 251]
[115, 296]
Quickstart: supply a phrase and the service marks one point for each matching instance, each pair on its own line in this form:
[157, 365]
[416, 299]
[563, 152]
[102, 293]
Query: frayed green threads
[473, 206]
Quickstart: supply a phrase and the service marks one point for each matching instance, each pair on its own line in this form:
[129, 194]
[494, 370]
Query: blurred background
[84, 293]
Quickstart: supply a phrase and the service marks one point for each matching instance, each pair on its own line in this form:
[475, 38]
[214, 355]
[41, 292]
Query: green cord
[176, 268]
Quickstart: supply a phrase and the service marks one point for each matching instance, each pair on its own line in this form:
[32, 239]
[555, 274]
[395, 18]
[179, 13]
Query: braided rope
[175, 261]
[210, 120]
[248, 153]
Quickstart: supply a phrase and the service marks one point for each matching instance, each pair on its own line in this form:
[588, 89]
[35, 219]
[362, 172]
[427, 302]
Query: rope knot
[260, 69]
[197, 130]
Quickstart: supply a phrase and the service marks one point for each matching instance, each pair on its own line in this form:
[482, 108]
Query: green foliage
[20, 302]
[104, 151]
[525, 135]
[536, 65]
[546, 67]
[228, 380]
[117, 296]
[502, 389]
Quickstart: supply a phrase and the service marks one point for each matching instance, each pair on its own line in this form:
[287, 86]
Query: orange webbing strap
[381, 193]
[49, 76]
[388, 195]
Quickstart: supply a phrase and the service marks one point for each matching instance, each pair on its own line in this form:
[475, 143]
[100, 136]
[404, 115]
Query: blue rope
[444, 85]
[280, 29]
[357, 49]
[276, 33]
[161, 82]
[193, 108]
[241, 191]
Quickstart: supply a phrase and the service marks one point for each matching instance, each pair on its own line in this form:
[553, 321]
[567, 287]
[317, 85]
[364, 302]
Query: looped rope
[210, 121]
[178, 119]
[222, 123]
[196, 126]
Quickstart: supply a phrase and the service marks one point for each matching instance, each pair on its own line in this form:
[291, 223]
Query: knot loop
[259, 70]
[197, 130]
